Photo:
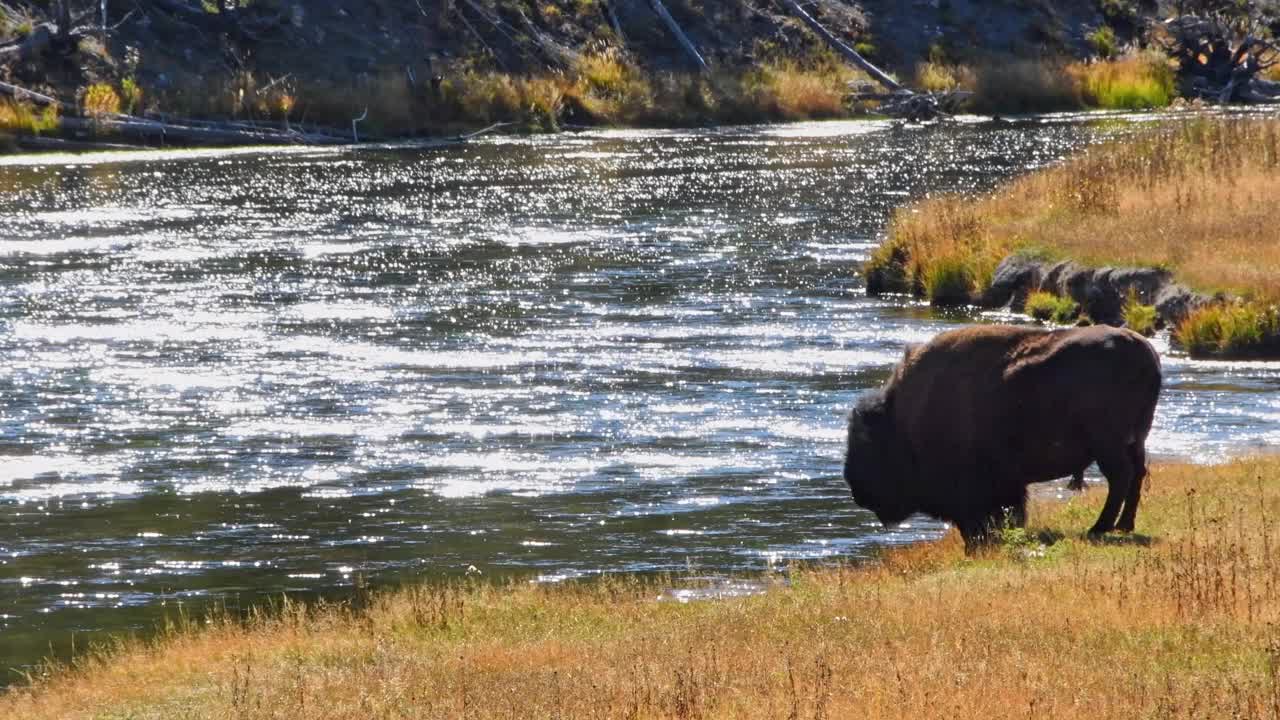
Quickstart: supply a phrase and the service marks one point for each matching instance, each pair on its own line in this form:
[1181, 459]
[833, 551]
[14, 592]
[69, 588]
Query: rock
[1055, 277]
[1103, 292]
[1175, 302]
[1144, 282]
[1015, 278]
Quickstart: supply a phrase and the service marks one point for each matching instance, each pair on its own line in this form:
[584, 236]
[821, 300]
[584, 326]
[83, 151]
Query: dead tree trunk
[849, 53]
[675, 30]
[900, 101]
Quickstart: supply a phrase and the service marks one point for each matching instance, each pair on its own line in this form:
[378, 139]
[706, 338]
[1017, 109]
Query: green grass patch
[1138, 317]
[1231, 330]
[1047, 307]
[1138, 82]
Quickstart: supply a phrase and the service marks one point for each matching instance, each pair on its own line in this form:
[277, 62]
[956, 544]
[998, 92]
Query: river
[230, 374]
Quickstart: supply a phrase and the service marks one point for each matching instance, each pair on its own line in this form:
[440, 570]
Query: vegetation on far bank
[608, 89]
[1176, 621]
[435, 68]
[1194, 197]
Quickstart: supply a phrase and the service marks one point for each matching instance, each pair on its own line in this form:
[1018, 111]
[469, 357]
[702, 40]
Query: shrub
[789, 91]
[603, 72]
[1103, 41]
[1018, 86]
[101, 99]
[131, 94]
[1138, 317]
[1047, 307]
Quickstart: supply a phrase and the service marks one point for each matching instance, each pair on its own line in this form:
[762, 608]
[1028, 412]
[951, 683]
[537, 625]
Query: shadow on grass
[1048, 537]
[1120, 540]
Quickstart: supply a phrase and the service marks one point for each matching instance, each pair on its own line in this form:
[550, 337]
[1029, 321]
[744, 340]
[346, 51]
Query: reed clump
[1177, 621]
[1194, 197]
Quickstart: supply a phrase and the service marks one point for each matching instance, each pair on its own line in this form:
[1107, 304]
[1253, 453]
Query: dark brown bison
[967, 421]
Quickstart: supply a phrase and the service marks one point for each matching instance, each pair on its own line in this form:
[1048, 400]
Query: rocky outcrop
[1101, 292]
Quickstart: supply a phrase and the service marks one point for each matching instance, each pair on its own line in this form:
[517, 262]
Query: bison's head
[873, 464]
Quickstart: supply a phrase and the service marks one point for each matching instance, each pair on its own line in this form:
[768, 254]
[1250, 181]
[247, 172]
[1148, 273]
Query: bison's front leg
[974, 532]
[1117, 466]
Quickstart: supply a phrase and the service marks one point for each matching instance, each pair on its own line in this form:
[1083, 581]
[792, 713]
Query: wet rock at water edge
[1015, 278]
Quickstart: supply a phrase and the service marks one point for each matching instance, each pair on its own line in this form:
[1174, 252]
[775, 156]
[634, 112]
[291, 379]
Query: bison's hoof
[1097, 531]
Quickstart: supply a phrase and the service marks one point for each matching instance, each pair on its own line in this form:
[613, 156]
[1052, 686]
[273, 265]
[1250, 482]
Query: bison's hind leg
[1076, 484]
[1137, 456]
[1118, 467]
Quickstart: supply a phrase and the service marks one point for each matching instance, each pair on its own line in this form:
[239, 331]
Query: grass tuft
[1231, 330]
[1047, 307]
[949, 281]
[1138, 317]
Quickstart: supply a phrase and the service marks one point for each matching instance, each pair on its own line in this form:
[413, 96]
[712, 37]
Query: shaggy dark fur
[968, 421]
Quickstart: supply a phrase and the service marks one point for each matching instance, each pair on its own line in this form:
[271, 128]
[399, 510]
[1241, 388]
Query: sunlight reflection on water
[230, 373]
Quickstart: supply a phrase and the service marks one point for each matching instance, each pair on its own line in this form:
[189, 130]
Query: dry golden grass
[101, 99]
[1178, 622]
[1196, 197]
[20, 117]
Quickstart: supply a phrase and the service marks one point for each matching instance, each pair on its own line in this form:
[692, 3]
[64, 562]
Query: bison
[967, 421]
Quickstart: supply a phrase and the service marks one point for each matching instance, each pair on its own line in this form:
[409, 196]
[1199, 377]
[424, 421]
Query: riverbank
[605, 89]
[258, 74]
[1191, 202]
[1175, 621]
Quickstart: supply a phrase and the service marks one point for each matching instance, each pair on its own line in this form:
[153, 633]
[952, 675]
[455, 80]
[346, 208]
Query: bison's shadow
[1126, 539]
[1048, 537]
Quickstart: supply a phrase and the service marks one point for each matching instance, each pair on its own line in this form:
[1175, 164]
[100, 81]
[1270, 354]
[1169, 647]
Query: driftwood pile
[1221, 54]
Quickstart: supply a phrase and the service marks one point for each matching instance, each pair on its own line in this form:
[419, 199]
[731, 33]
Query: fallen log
[22, 94]
[44, 143]
[674, 27]
[152, 131]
